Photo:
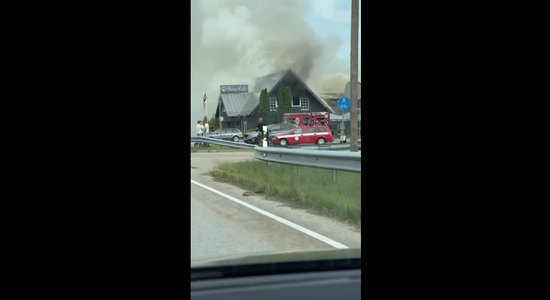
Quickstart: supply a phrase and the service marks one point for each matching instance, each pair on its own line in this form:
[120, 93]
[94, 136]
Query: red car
[303, 134]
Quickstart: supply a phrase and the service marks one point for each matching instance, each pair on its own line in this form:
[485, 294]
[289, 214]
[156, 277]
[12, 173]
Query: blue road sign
[343, 103]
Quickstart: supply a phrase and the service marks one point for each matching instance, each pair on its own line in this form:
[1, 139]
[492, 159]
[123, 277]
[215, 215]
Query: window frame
[299, 102]
[306, 101]
[276, 106]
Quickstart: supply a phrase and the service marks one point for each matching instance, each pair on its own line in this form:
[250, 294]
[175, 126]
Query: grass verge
[304, 187]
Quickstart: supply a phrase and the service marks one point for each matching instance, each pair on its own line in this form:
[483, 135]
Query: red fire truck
[308, 119]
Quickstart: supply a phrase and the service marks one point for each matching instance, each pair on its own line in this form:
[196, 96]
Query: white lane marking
[276, 218]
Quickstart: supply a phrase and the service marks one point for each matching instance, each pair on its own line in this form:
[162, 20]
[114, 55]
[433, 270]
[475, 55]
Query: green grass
[304, 187]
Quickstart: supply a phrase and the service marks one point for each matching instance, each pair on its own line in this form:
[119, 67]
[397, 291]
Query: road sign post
[343, 104]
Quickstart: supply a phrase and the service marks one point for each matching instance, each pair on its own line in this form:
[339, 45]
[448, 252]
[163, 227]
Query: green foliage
[281, 104]
[263, 109]
[287, 106]
[284, 95]
[213, 123]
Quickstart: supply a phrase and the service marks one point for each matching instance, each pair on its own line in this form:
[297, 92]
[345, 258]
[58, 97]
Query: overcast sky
[235, 41]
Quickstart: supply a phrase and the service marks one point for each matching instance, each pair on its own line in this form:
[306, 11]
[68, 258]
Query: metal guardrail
[319, 156]
[201, 139]
[333, 160]
[332, 147]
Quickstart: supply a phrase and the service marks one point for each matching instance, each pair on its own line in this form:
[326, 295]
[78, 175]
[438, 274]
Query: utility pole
[354, 75]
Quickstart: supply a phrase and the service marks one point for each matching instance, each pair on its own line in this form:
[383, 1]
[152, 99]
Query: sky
[235, 41]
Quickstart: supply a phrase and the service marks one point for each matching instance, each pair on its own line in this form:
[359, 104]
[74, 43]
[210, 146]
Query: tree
[284, 96]
[281, 104]
[263, 108]
[288, 100]
[213, 123]
[205, 121]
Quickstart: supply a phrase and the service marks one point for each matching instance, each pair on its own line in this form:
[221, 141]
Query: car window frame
[311, 130]
[289, 126]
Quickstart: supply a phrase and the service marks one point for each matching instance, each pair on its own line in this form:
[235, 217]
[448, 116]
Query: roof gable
[269, 81]
[272, 80]
[243, 104]
[252, 101]
[325, 105]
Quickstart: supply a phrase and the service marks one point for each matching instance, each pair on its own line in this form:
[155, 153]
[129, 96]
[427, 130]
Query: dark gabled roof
[250, 104]
[268, 81]
[329, 109]
[265, 82]
[234, 103]
[243, 104]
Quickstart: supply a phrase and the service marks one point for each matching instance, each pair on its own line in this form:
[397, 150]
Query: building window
[273, 104]
[304, 103]
[296, 102]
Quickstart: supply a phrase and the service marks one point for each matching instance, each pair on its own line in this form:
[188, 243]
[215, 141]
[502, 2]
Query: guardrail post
[334, 175]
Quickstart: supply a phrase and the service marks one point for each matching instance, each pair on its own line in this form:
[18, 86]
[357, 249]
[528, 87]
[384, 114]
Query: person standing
[260, 127]
[199, 128]
[205, 132]
[206, 129]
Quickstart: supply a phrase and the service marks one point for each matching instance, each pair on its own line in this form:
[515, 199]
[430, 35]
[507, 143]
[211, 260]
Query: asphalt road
[220, 227]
